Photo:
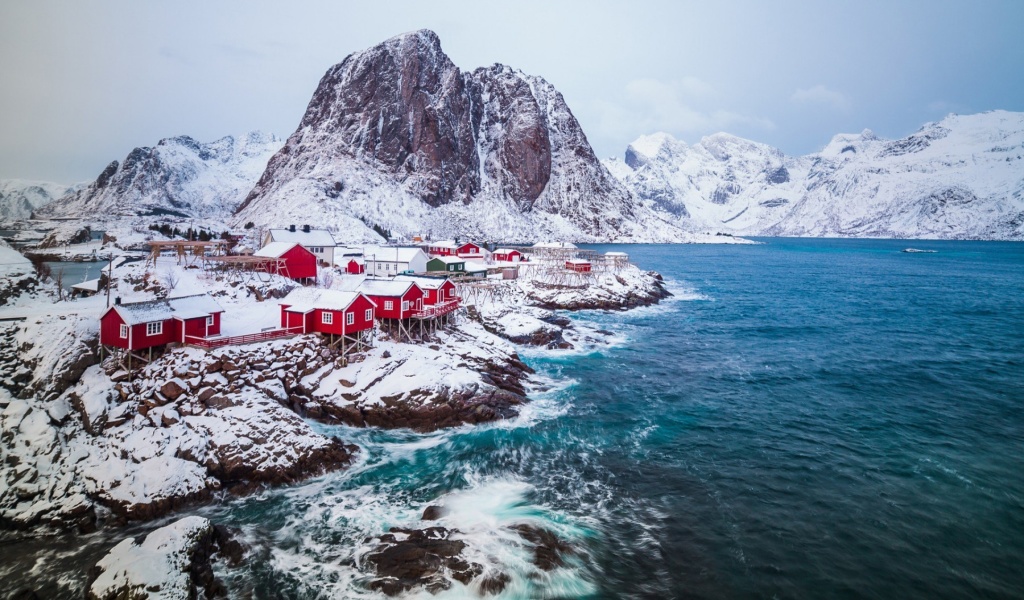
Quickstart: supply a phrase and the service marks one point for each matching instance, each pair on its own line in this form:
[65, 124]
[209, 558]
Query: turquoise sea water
[804, 419]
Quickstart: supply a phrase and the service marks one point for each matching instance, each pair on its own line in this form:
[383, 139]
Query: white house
[318, 241]
[386, 261]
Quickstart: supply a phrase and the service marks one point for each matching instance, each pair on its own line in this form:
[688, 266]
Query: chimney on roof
[117, 301]
[305, 228]
[291, 228]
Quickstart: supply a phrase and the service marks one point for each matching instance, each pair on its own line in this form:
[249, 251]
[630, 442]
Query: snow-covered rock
[962, 177]
[399, 137]
[171, 563]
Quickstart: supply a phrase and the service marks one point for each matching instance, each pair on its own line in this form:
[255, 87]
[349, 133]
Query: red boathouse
[294, 261]
[140, 325]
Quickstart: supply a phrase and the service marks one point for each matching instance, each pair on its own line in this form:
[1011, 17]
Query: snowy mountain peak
[398, 137]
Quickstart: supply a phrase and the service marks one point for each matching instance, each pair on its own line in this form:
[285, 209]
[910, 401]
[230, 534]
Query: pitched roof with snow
[185, 307]
[449, 260]
[444, 244]
[304, 300]
[191, 307]
[578, 261]
[505, 251]
[313, 237]
[431, 283]
[275, 249]
[388, 254]
[385, 287]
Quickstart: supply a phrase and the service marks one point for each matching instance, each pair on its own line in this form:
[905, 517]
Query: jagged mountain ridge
[19, 198]
[959, 178]
[178, 177]
[400, 137]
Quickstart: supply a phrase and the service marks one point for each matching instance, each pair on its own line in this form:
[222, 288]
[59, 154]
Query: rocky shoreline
[99, 447]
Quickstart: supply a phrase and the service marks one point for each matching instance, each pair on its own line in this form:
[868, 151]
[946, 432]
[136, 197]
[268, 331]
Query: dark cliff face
[402, 105]
[405, 108]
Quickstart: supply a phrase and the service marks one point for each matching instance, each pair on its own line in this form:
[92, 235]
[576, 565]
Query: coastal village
[193, 367]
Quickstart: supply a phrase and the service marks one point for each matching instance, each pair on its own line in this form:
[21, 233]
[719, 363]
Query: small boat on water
[917, 250]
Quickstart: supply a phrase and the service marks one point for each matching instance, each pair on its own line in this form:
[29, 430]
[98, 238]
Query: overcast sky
[84, 82]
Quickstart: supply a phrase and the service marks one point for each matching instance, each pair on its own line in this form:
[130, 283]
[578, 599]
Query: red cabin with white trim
[469, 250]
[141, 325]
[327, 311]
[507, 255]
[578, 265]
[298, 262]
[395, 299]
[436, 290]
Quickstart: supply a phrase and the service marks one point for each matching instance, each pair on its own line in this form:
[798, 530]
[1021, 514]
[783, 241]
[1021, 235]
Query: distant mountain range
[398, 138]
[178, 177]
[959, 178]
[18, 198]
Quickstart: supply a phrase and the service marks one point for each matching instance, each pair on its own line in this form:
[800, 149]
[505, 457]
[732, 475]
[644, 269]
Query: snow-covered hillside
[399, 137]
[962, 177]
[178, 177]
[18, 198]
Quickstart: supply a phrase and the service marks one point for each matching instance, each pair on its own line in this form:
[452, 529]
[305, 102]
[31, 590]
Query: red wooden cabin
[327, 311]
[355, 267]
[436, 290]
[507, 255]
[469, 250]
[578, 265]
[297, 262]
[141, 325]
[395, 299]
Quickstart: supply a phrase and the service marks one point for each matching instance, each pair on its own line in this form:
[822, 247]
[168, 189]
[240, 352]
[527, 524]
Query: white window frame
[154, 328]
[327, 317]
[369, 314]
[209, 320]
[350, 318]
[124, 331]
[405, 305]
[389, 305]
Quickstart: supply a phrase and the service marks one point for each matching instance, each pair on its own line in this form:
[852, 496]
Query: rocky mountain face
[19, 198]
[178, 177]
[960, 178]
[398, 136]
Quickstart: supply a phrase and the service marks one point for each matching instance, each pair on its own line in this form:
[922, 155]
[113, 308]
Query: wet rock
[418, 558]
[433, 513]
[549, 551]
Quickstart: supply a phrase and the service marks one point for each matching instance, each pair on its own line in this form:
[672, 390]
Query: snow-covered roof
[562, 245]
[304, 300]
[505, 251]
[426, 283]
[185, 307]
[314, 237]
[191, 307]
[348, 251]
[386, 254]
[578, 261]
[385, 287]
[275, 249]
[92, 285]
[444, 244]
[473, 266]
[449, 260]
